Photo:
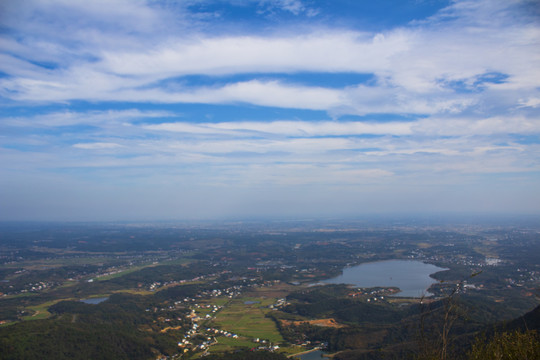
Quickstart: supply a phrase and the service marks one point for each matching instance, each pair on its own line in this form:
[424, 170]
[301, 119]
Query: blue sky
[147, 110]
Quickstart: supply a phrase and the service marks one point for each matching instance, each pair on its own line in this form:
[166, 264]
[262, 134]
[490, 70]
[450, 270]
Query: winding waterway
[410, 276]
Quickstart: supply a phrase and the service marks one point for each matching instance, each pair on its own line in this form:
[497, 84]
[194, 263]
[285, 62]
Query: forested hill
[529, 321]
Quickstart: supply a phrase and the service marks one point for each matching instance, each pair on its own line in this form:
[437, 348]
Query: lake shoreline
[412, 277]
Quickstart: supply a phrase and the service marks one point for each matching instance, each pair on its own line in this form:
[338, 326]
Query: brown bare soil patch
[170, 328]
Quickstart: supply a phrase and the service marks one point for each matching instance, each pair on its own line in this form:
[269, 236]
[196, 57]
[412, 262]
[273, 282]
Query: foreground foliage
[513, 345]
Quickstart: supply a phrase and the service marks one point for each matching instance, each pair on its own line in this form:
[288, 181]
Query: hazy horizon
[207, 109]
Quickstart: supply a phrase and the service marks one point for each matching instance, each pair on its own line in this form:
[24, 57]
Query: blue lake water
[94, 301]
[411, 277]
[251, 302]
[314, 355]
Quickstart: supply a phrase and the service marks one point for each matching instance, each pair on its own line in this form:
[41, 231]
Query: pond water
[411, 277]
[313, 355]
[94, 301]
[249, 302]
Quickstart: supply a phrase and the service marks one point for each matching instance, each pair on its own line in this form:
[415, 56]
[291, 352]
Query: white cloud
[463, 126]
[293, 6]
[357, 100]
[97, 146]
[469, 73]
[319, 51]
[263, 93]
[290, 128]
[411, 64]
[431, 126]
[530, 102]
[74, 16]
[94, 118]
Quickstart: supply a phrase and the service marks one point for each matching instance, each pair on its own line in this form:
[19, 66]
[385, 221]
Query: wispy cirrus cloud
[97, 146]
[290, 128]
[94, 118]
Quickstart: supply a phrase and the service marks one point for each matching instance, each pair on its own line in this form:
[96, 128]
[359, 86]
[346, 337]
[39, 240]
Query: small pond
[251, 302]
[312, 355]
[94, 301]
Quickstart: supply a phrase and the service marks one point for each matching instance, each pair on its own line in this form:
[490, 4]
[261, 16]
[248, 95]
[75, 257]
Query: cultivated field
[249, 319]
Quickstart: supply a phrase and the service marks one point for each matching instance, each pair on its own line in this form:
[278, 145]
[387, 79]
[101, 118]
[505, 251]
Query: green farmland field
[249, 319]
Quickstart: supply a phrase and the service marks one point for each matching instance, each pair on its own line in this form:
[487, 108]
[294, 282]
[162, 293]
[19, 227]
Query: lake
[94, 301]
[411, 277]
[251, 302]
[313, 355]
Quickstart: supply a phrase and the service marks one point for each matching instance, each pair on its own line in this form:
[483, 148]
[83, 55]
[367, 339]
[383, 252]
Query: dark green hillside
[115, 329]
[529, 321]
[385, 330]
[61, 339]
